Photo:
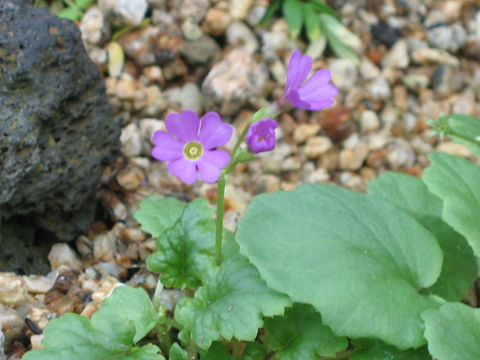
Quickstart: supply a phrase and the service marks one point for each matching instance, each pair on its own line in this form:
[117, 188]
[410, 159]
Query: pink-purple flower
[261, 136]
[315, 93]
[190, 145]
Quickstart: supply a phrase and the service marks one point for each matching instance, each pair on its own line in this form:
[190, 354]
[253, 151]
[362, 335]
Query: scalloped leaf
[376, 350]
[185, 249]
[122, 320]
[456, 182]
[293, 12]
[230, 304]
[459, 268]
[300, 334]
[157, 213]
[350, 255]
[176, 352]
[453, 331]
[217, 351]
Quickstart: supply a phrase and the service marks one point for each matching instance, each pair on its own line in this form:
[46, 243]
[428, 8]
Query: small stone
[400, 97]
[11, 325]
[93, 26]
[369, 121]
[191, 31]
[201, 51]
[454, 149]
[130, 178]
[344, 73]
[194, 9]
[150, 101]
[427, 56]
[131, 140]
[416, 82]
[107, 285]
[191, 97]
[240, 36]
[317, 146]
[397, 57]
[256, 14]
[267, 184]
[320, 175]
[369, 70]
[36, 341]
[62, 254]
[379, 89]
[352, 158]
[124, 12]
[64, 304]
[107, 268]
[447, 37]
[292, 163]
[447, 80]
[239, 8]
[103, 244]
[216, 21]
[133, 235]
[37, 284]
[84, 246]
[170, 297]
[37, 319]
[303, 131]
[400, 155]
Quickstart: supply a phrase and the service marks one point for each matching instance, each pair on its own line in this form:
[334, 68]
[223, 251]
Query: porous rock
[56, 130]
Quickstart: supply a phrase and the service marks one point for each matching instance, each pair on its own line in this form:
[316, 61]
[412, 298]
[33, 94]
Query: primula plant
[319, 272]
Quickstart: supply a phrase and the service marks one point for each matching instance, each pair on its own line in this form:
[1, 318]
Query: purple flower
[314, 94]
[190, 145]
[261, 136]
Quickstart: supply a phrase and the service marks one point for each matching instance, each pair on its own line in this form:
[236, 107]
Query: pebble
[194, 9]
[379, 89]
[447, 37]
[240, 36]
[130, 178]
[202, 51]
[317, 146]
[397, 57]
[191, 97]
[239, 8]
[11, 325]
[216, 21]
[103, 244]
[319, 175]
[303, 131]
[124, 12]
[256, 14]
[426, 56]
[62, 255]
[447, 80]
[147, 127]
[13, 290]
[400, 155]
[191, 30]
[368, 70]
[107, 285]
[38, 318]
[233, 82]
[352, 158]
[84, 246]
[416, 82]
[344, 73]
[369, 121]
[37, 284]
[275, 40]
[94, 27]
[454, 149]
[131, 140]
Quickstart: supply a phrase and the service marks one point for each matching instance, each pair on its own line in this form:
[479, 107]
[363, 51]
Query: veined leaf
[177, 353]
[453, 332]
[122, 320]
[217, 351]
[300, 334]
[459, 268]
[350, 255]
[230, 304]
[293, 12]
[467, 129]
[157, 213]
[376, 350]
[185, 249]
[456, 181]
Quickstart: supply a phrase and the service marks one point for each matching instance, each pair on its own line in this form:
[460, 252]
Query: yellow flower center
[193, 150]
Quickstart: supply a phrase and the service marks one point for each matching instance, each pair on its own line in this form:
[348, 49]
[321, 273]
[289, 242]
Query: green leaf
[322, 7]
[230, 304]
[157, 213]
[177, 353]
[350, 255]
[340, 39]
[293, 12]
[254, 351]
[376, 350]
[466, 130]
[456, 182]
[459, 268]
[453, 332]
[84, 3]
[70, 13]
[300, 334]
[313, 25]
[217, 351]
[271, 10]
[122, 320]
[185, 249]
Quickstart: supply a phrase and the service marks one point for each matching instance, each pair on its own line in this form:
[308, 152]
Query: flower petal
[213, 131]
[166, 147]
[298, 68]
[184, 126]
[211, 163]
[321, 93]
[184, 169]
[319, 80]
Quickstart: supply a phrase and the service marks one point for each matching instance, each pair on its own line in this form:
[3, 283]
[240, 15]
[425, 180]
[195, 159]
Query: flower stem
[219, 224]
